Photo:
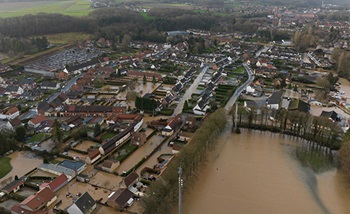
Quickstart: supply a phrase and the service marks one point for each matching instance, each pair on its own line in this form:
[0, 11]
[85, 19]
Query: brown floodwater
[255, 172]
[22, 162]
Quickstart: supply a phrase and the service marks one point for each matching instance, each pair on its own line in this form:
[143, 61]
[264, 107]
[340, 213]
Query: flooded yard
[25, 191]
[75, 188]
[22, 162]
[85, 145]
[8, 204]
[106, 180]
[73, 154]
[140, 153]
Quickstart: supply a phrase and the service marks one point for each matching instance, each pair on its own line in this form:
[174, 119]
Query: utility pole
[180, 190]
[236, 118]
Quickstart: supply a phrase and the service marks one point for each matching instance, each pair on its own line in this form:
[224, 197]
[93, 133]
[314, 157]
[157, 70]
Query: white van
[130, 202]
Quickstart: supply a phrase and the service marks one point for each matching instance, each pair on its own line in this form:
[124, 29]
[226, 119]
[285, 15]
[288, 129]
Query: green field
[5, 166]
[66, 38]
[71, 8]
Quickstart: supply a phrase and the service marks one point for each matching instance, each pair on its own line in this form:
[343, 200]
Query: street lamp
[180, 190]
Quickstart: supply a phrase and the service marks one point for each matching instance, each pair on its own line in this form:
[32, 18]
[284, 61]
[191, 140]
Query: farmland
[71, 8]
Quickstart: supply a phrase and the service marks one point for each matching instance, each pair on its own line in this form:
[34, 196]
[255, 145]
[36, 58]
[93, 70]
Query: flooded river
[255, 172]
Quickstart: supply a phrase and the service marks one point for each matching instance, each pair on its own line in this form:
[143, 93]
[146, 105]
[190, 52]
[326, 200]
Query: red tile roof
[57, 182]
[39, 119]
[12, 111]
[36, 201]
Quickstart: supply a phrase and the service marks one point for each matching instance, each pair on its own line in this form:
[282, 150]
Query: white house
[84, 205]
[275, 100]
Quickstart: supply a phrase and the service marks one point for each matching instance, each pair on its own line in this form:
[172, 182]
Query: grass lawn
[55, 161]
[146, 16]
[36, 138]
[239, 70]
[107, 136]
[128, 148]
[5, 166]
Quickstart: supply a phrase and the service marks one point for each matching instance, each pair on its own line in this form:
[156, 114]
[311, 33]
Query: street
[190, 91]
[239, 90]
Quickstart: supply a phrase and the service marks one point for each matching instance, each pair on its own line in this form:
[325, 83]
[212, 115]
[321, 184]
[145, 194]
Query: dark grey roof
[85, 203]
[329, 114]
[83, 65]
[25, 81]
[73, 165]
[48, 84]
[275, 98]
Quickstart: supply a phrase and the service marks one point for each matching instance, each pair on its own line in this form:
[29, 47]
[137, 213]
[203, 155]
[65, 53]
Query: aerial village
[103, 126]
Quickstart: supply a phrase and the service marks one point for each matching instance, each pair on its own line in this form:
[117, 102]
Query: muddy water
[22, 162]
[255, 173]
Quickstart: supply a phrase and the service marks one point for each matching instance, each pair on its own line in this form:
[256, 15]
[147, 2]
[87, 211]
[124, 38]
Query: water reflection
[255, 172]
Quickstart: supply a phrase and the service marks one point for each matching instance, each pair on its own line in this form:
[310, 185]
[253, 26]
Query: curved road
[239, 90]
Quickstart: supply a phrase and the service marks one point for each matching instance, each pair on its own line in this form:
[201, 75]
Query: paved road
[239, 90]
[69, 84]
[190, 91]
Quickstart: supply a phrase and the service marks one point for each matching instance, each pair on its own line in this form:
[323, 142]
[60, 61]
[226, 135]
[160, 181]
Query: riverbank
[255, 172]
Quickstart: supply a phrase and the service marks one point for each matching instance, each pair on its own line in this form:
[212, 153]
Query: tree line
[7, 141]
[163, 193]
[318, 130]
[13, 45]
[115, 23]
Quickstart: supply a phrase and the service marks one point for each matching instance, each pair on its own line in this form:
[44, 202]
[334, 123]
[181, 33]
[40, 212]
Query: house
[120, 199]
[130, 180]
[57, 170]
[92, 156]
[5, 124]
[149, 76]
[16, 122]
[275, 100]
[172, 125]
[93, 110]
[332, 115]
[12, 113]
[33, 203]
[37, 121]
[9, 113]
[43, 107]
[298, 105]
[185, 136]
[254, 105]
[48, 85]
[14, 89]
[84, 205]
[77, 166]
[110, 165]
[190, 123]
[56, 184]
[14, 186]
[201, 108]
[138, 138]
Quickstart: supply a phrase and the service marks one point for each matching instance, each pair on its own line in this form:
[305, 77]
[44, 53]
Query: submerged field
[71, 8]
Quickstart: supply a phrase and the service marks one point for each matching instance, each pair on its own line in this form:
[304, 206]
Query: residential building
[56, 184]
[84, 205]
[77, 166]
[274, 100]
[37, 121]
[120, 199]
[110, 165]
[172, 126]
[33, 203]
